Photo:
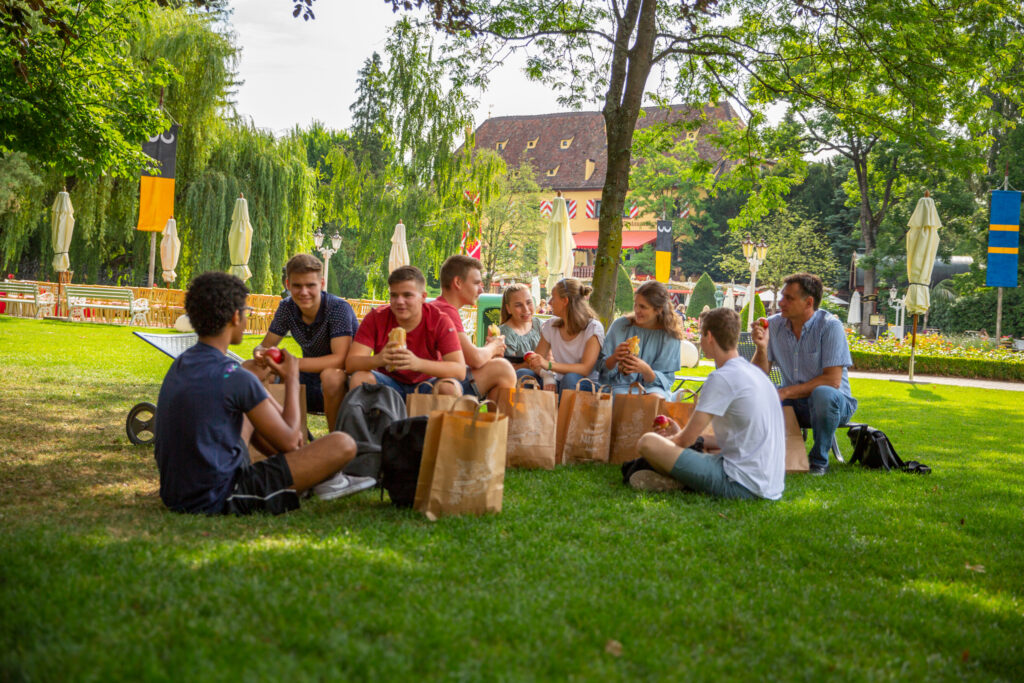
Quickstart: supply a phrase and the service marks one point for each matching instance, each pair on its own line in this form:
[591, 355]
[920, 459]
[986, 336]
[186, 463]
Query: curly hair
[212, 299]
[656, 294]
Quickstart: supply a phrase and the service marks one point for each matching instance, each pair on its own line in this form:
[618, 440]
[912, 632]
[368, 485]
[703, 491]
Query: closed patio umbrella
[559, 244]
[62, 225]
[729, 300]
[853, 315]
[240, 240]
[922, 245]
[170, 250]
[535, 290]
[399, 255]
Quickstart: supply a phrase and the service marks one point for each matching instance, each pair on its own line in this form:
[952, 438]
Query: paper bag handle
[437, 384]
[594, 386]
[642, 389]
[529, 379]
[464, 397]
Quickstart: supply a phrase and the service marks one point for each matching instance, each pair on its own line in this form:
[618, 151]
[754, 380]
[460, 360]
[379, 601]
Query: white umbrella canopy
[399, 255]
[535, 290]
[240, 240]
[61, 228]
[729, 300]
[170, 251]
[922, 245]
[559, 244]
[853, 315]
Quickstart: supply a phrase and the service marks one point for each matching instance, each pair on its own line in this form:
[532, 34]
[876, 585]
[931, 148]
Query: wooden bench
[25, 294]
[96, 298]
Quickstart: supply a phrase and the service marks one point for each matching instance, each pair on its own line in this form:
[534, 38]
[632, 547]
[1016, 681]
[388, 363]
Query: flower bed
[936, 355]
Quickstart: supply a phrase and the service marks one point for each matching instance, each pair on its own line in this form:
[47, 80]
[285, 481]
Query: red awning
[631, 239]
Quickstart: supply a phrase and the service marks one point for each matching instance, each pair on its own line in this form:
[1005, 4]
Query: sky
[296, 71]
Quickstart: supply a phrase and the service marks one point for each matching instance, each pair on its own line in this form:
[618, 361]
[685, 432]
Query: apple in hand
[274, 354]
[660, 421]
[764, 323]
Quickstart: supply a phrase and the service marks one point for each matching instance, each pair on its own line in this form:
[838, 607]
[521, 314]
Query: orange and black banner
[663, 251]
[156, 190]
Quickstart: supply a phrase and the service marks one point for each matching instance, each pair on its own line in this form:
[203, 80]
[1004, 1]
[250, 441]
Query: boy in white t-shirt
[742, 406]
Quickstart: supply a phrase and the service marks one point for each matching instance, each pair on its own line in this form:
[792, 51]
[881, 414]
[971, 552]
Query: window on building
[564, 144]
[552, 172]
[500, 146]
[530, 144]
[691, 135]
[597, 208]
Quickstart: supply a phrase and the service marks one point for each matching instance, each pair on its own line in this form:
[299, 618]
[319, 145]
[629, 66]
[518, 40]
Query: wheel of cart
[141, 422]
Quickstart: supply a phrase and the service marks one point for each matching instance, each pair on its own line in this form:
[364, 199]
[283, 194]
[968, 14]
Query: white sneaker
[649, 480]
[342, 484]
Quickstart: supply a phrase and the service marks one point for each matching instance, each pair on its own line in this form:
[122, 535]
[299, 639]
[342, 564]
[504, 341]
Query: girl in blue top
[659, 331]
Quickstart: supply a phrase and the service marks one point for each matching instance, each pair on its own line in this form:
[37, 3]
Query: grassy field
[857, 575]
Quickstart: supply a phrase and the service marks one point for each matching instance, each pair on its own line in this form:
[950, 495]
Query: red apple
[764, 323]
[661, 421]
[527, 355]
[274, 354]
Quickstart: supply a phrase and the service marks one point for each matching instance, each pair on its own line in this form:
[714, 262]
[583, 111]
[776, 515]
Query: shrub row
[978, 368]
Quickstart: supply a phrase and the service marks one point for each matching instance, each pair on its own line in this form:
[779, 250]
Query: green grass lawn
[859, 575]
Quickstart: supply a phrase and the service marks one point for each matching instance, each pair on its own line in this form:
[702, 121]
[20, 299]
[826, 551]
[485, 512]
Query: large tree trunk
[629, 71]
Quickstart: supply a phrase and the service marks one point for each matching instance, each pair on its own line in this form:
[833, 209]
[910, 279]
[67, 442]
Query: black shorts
[265, 486]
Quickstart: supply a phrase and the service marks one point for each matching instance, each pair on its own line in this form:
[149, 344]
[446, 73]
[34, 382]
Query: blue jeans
[402, 388]
[823, 411]
[624, 389]
[569, 381]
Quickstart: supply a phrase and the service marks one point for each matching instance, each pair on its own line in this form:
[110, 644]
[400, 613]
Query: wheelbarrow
[141, 422]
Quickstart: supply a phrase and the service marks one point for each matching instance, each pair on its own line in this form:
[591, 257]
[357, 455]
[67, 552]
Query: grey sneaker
[649, 480]
[342, 484]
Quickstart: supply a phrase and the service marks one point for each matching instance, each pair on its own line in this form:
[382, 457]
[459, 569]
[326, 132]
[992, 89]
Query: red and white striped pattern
[472, 197]
[591, 208]
[570, 206]
[545, 207]
[634, 210]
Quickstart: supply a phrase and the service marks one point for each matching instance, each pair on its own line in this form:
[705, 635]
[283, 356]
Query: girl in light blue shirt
[659, 331]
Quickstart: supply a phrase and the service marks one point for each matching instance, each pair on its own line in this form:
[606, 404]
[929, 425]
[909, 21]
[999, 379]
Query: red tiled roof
[631, 239]
[586, 129]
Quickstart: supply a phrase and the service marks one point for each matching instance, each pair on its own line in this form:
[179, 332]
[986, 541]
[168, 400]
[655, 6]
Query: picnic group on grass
[211, 410]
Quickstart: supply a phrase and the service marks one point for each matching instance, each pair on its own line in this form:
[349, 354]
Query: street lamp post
[327, 251]
[754, 253]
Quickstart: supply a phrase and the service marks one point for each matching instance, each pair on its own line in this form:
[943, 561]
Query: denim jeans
[823, 411]
[704, 472]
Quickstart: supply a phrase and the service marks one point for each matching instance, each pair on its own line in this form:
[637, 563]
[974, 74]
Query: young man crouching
[210, 408]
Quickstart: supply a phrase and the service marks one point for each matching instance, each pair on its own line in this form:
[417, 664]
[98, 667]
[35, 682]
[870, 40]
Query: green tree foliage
[795, 244]
[759, 312]
[369, 114]
[623, 293]
[703, 295]
[513, 229]
[74, 98]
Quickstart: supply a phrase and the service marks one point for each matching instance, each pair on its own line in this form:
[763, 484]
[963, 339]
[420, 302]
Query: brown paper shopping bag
[463, 466]
[796, 449]
[417, 403]
[584, 423]
[531, 424]
[633, 416]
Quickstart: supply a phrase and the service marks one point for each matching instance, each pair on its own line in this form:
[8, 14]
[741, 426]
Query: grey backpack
[365, 414]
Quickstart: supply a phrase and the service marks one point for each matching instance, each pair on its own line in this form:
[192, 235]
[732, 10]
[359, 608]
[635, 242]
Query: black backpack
[872, 448]
[365, 414]
[401, 452]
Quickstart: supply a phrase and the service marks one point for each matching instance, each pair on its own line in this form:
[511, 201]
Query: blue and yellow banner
[1003, 234]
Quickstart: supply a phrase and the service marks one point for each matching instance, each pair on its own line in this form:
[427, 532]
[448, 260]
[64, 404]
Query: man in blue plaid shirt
[809, 347]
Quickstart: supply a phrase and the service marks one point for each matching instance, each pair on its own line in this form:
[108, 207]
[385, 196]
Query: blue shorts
[314, 391]
[705, 473]
[402, 388]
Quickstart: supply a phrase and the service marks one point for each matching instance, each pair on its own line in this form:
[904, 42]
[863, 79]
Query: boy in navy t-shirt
[210, 408]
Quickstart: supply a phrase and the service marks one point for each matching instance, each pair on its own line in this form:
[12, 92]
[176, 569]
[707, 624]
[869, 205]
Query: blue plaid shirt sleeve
[834, 348]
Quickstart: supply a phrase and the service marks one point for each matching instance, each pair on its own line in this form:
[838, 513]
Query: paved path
[955, 381]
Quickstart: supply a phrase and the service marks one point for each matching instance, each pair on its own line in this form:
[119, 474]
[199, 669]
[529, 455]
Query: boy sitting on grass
[739, 401]
[210, 408]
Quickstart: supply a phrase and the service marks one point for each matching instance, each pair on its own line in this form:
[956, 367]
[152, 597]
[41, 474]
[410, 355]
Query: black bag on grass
[872, 448]
[401, 452]
[365, 414]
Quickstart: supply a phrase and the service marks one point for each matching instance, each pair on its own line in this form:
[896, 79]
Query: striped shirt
[822, 344]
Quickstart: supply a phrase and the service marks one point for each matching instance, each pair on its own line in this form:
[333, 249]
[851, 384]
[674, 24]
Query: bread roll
[634, 345]
[396, 340]
[493, 331]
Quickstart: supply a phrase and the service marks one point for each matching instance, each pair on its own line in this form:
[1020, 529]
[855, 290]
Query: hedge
[978, 368]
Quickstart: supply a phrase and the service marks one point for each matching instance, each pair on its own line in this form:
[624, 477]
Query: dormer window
[691, 135]
[564, 144]
[531, 144]
[552, 172]
[500, 146]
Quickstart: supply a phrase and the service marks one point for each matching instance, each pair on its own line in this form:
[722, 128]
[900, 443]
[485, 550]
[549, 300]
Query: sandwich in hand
[493, 331]
[396, 340]
[634, 345]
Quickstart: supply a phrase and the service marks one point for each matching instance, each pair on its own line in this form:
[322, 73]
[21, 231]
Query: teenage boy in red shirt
[432, 348]
[462, 285]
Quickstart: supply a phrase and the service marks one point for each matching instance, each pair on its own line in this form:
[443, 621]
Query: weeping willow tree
[106, 246]
[280, 187]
